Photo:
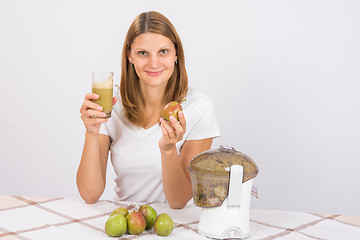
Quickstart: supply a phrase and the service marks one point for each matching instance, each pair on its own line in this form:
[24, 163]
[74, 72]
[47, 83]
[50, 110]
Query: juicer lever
[235, 185]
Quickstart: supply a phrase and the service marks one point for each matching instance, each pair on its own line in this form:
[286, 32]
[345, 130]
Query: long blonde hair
[130, 91]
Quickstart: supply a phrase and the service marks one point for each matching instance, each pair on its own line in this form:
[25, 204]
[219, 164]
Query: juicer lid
[218, 162]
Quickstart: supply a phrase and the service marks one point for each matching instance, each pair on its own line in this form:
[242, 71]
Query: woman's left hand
[172, 131]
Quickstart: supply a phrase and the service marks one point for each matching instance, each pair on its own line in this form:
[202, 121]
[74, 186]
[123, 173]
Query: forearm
[177, 186]
[90, 178]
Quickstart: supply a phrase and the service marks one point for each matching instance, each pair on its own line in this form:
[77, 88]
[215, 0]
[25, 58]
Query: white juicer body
[231, 219]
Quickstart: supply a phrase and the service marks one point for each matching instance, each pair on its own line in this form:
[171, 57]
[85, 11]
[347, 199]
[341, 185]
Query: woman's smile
[154, 73]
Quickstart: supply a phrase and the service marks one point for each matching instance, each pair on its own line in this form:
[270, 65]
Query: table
[26, 218]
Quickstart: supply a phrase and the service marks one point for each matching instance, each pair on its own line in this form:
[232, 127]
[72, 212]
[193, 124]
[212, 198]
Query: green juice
[105, 92]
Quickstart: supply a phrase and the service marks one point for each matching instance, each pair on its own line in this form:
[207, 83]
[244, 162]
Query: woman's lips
[154, 74]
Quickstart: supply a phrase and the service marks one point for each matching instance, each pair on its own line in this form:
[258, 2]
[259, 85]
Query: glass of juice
[102, 85]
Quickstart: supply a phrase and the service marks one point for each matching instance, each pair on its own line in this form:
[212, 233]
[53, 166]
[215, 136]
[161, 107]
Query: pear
[136, 223]
[121, 211]
[149, 214]
[116, 225]
[163, 225]
[171, 109]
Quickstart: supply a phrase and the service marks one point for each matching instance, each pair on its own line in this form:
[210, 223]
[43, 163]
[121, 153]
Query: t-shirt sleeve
[205, 124]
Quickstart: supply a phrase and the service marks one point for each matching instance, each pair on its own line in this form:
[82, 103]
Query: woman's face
[153, 56]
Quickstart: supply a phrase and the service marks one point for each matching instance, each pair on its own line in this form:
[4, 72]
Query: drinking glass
[102, 85]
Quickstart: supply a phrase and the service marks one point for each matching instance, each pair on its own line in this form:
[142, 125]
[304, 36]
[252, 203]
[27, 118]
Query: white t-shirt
[135, 154]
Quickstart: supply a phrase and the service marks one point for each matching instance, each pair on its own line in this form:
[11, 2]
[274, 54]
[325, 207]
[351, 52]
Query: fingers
[182, 120]
[91, 113]
[169, 130]
[88, 104]
[90, 96]
[164, 132]
[94, 114]
[114, 100]
[174, 129]
[178, 126]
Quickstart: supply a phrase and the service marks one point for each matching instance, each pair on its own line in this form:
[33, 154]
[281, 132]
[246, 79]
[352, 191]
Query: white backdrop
[283, 75]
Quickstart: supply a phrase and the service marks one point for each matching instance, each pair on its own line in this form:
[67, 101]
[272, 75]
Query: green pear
[121, 211]
[116, 225]
[163, 225]
[149, 214]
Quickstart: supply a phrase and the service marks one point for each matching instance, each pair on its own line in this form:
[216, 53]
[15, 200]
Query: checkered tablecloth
[58, 218]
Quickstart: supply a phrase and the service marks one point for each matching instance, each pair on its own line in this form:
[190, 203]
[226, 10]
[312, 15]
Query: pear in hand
[171, 109]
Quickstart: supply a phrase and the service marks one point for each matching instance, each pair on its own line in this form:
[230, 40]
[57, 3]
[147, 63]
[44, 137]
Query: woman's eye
[164, 51]
[142, 53]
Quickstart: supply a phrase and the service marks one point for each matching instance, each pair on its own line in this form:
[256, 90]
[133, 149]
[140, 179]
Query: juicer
[222, 181]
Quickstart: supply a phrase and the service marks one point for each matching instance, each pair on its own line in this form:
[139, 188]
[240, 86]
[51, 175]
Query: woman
[150, 158]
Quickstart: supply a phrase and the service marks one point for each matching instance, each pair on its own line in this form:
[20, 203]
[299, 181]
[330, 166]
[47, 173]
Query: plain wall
[283, 76]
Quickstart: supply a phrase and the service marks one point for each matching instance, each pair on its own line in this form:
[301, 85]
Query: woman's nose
[154, 62]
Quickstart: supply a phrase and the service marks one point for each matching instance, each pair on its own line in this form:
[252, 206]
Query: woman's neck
[154, 103]
[153, 96]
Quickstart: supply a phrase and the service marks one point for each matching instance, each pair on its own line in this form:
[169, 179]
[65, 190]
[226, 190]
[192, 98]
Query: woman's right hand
[91, 113]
